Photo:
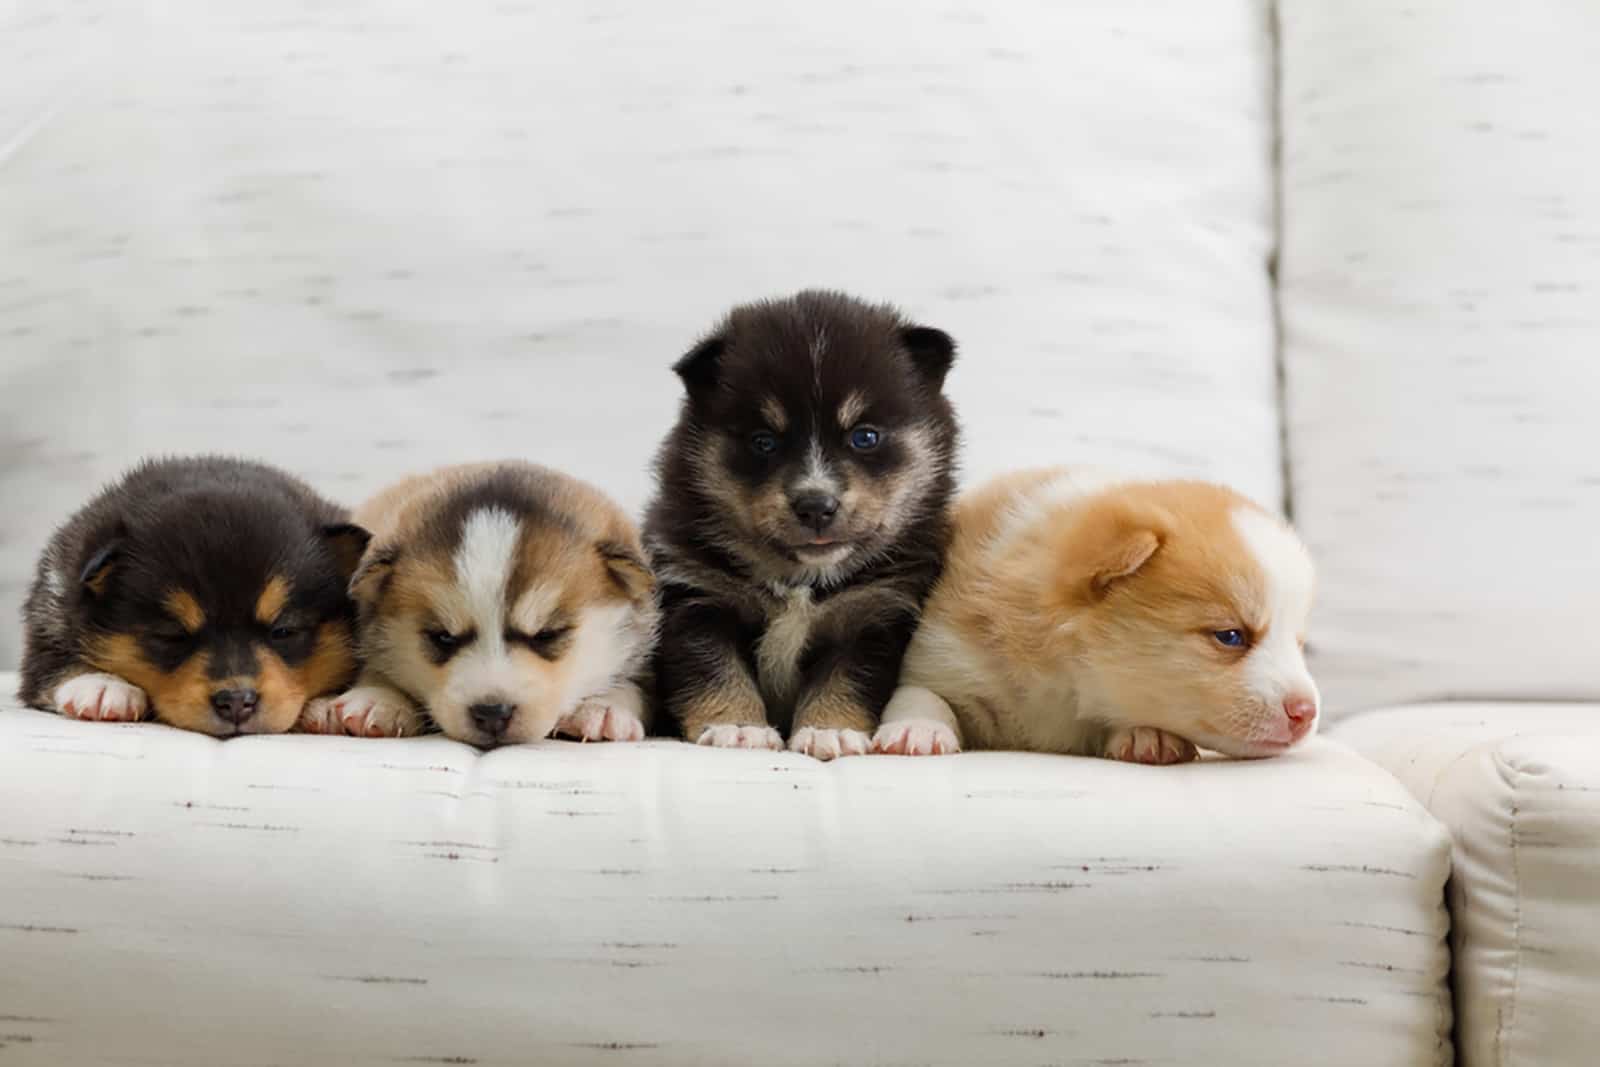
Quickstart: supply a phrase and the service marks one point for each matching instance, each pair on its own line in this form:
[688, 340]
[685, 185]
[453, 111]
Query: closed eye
[548, 643]
[285, 630]
[444, 644]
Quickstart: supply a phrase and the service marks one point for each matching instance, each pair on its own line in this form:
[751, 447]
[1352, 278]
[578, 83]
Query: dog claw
[600, 720]
[729, 735]
[915, 737]
[100, 698]
[1148, 745]
[827, 744]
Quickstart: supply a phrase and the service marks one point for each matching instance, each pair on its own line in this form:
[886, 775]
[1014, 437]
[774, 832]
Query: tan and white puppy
[1081, 613]
[504, 600]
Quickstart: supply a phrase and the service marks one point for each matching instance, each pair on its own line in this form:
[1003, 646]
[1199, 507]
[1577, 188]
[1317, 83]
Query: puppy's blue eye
[865, 438]
[763, 443]
[1231, 638]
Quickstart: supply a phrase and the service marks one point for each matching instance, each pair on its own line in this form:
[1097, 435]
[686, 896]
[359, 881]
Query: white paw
[829, 744]
[598, 719]
[318, 717]
[726, 735]
[100, 698]
[366, 711]
[916, 737]
[1146, 744]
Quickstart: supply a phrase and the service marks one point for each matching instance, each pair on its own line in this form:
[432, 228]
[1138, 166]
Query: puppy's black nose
[816, 510]
[492, 719]
[235, 705]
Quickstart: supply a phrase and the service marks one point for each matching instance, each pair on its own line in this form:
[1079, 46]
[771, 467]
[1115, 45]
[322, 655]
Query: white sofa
[1343, 256]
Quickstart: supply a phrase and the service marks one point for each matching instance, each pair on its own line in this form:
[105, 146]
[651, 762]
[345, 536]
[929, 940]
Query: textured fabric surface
[1441, 330]
[167, 898]
[358, 238]
[1519, 788]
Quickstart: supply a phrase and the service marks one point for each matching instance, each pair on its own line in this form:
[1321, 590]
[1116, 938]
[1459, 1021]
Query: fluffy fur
[1136, 620]
[208, 592]
[800, 520]
[503, 601]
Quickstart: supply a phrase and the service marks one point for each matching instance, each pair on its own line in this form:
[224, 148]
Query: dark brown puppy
[800, 520]
[207, 591]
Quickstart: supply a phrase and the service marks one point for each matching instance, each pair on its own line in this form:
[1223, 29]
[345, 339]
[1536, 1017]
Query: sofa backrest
[1440, 301]
[366, 241]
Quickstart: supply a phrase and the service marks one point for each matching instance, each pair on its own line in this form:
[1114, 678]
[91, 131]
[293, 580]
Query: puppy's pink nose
[1301, 711]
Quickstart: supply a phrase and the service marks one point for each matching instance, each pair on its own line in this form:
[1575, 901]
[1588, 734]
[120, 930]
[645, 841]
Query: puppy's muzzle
[235, 705]
[492, 719]
[815, 510]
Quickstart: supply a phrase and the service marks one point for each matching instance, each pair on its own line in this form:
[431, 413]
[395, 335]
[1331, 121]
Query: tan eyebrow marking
[186, 609]
[272, 600]
[773, 412]
[854, 406]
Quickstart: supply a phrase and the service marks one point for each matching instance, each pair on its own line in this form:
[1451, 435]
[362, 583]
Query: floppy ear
[933, 351]
[701, 367]
[1105, 546]
[628, 569]
[96, 574]
[347, 541]
[367, 583]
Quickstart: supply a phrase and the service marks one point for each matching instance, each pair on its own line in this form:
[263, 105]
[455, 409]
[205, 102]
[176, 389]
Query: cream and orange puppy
[502, 601]
[1136, 620]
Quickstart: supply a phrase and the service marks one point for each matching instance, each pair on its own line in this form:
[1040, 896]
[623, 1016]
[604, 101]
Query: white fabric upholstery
[312, 900]
[363, 239]
[1519, 787]
[1440, 298]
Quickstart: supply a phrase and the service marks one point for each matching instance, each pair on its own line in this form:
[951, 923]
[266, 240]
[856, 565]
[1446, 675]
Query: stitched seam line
[1507, 1022]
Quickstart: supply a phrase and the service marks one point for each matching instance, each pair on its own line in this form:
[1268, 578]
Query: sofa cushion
[1441, 324]
[365, 240]
[181, 900]
[1519, 787]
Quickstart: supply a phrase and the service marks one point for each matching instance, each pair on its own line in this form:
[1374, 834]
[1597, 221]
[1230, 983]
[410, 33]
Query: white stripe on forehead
[1275, 667]
[1285, 564]
[818, 477]
[819, 345]
[484, 560]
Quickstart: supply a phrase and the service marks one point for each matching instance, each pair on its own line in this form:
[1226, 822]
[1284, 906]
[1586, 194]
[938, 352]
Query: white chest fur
[780, 648]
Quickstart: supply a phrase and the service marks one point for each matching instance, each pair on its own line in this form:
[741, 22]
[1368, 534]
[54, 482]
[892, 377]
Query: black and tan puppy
[209, 592]
[800, 520]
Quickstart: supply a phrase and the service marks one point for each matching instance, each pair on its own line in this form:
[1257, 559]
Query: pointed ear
[370, 577]
[1105, 546]
[702, 366]
[97, 571]
[628, 569]
[347, 541]
[933, 351]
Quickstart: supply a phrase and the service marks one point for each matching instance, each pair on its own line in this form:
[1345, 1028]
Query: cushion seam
[1506, 1025]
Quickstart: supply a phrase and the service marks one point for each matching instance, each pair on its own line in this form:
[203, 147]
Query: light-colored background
[357, 240]
[361, 238]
